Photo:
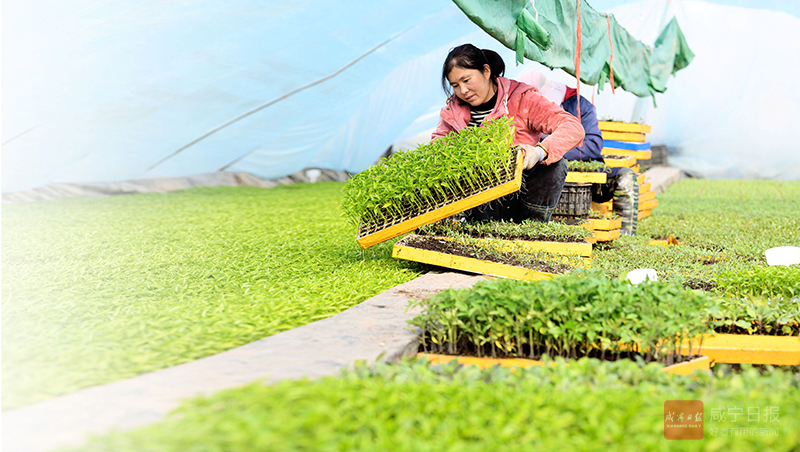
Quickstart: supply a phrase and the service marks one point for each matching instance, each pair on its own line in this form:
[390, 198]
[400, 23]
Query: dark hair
[468, 56]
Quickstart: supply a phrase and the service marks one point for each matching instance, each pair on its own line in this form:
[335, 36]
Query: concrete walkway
[661, 177]
[365, 332]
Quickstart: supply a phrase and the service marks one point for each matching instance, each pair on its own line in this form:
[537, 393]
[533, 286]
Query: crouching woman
[479, 92]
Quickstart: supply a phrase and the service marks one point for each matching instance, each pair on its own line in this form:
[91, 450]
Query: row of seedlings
[580, 315]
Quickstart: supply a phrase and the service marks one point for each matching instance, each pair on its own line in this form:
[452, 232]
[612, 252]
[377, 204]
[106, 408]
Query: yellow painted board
[658, 243]
[748, 349]
[635, 168]
[686, 368]
[605, 224]
[446, 210]
[644, 214]
[586, 176]
[624, 136]
[648, 205]
[615, 163]
[529, 246]
[647, 196]
[640, 178]
[641, 155]
[613, 126]
[644, 188]
[467, 264]
[605, 207]
[607, 236]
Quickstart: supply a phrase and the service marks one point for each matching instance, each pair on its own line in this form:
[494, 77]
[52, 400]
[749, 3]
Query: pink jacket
[533, 115]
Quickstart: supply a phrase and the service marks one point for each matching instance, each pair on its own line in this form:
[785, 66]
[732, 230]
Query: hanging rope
[611, 61]
[578, 60]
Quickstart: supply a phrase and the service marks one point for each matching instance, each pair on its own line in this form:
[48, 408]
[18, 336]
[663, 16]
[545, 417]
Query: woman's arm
[544, 116]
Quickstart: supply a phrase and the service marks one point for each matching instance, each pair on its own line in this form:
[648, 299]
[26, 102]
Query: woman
[480, 91]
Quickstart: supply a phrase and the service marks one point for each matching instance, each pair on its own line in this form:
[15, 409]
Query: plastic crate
[575, 201]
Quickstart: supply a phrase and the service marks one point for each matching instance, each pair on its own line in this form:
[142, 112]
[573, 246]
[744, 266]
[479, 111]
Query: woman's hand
[531, 155]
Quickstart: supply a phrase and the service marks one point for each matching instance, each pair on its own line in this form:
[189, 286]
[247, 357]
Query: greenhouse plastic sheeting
[545, 31]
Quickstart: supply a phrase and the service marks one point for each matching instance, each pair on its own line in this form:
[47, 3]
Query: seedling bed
[413, 217]
[686, 367]
[630, 127]
[459, 256]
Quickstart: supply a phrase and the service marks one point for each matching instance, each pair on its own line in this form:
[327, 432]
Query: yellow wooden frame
[641, 155]
[647, 196]
[606, 236]
[604, 224]
[644, 188]
[595, 177]
[640, 178]
[625, 163]
[686, 368]
[623, 136]
[648, 205]
[644, 214]
[446, 210]
[605, 207]
[613, 126]
[468, 264]
[748, 349]
[635, 168]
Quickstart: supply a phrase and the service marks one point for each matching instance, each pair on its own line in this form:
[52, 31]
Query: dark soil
[616, 157]
[762, 368]
[458, 249]
[466, 348]
[540, 238]
[733, 329]
[699, 284]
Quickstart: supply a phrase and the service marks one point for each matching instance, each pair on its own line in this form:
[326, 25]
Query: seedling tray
[641, 155]
[613, 126]
[644, 214]
[647, 196]
[626, 162]
[748, 349]
[644, 188]
[623, 136]
[685, 368]
[595, 177]
[635, 168]
[368, 236]
[401, 251]
[640, 178]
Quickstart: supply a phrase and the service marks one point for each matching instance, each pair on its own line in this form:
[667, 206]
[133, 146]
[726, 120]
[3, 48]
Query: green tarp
[547, 30]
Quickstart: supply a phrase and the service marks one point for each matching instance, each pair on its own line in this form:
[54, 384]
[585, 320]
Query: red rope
[611, 61]
[578, 60]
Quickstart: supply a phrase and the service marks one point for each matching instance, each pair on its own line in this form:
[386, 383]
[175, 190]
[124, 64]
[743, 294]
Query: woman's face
[471, 85]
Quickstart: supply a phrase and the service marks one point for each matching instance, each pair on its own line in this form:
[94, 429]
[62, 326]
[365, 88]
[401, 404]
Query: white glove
[531, 155]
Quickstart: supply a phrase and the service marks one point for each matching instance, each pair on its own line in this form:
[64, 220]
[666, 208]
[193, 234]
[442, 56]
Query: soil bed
[437, 244]
[699, 284]
[569, 221]
[467, 348]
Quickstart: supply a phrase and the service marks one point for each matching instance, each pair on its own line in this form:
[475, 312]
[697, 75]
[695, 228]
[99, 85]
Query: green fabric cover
[547, 30]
